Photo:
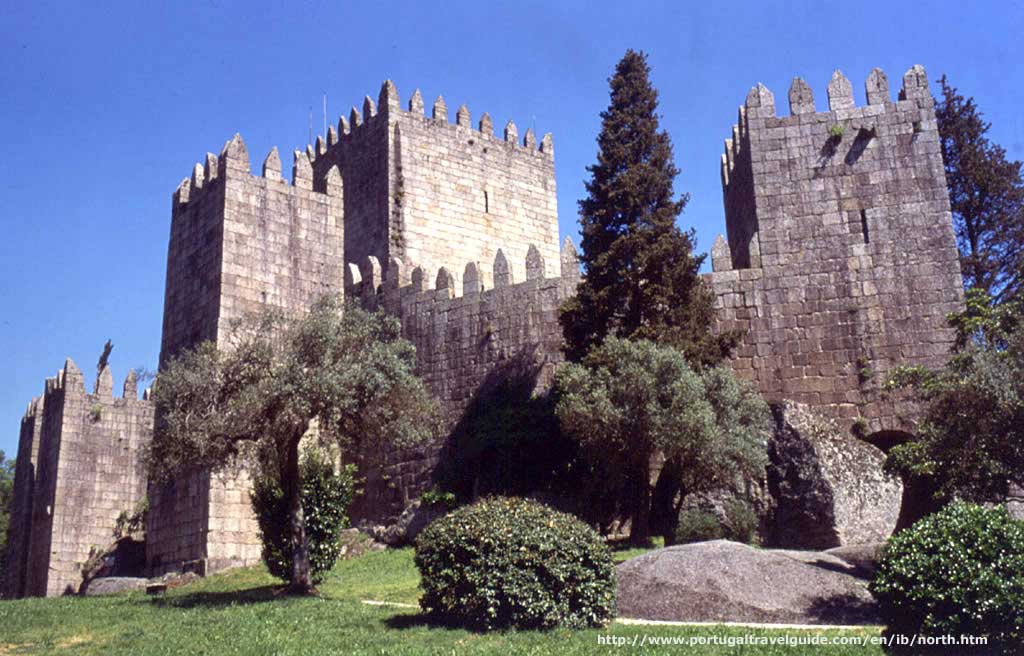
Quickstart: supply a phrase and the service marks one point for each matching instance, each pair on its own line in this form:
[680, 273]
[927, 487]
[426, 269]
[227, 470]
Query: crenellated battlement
[806, 153]
[842, 110]
[367, 282]
[70, 382]
[79, 467]
[233, 163]
[349, 129]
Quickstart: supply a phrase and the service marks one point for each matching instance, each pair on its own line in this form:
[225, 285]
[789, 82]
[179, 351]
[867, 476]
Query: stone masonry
[463, 334]
[237, 241]
[388, 184]
[839, 262]
[78, 469]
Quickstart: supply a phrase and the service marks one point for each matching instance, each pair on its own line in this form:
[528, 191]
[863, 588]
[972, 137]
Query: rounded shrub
[698, 525]
[957, 572]
[508, 562]
[326, 496]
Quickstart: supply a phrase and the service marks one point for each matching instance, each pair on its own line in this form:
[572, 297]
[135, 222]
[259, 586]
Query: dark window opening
[487, 203]
[864, 225]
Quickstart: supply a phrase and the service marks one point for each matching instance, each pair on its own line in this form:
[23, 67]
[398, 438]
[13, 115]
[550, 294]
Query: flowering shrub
[957, 572]
[325, 499]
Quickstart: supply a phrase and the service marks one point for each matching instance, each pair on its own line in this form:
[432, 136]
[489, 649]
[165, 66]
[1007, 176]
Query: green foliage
[699, 524]
[986, 194]
[326, 496]
[96, 412]
[957, 572]
[860, 428]
[6, 506]
[971, 437]
[741, 523]
[340, 369]
[129, 523]
[631, 399]
[836, 131]
[438, 498]
[642, 278]
[507, 562]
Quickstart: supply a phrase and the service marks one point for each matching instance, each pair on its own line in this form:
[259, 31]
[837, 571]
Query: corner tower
[840, 260]
[237, 242]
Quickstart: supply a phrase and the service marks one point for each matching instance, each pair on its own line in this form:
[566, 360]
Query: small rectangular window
[864, 225]
[487, 203]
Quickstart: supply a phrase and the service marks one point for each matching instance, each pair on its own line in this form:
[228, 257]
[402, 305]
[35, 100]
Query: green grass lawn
[239, 612]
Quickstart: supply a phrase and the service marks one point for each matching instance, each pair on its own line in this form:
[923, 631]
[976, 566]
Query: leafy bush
[700, 525]
[325, 499]
[957, 572]
[437, 498]
[741, 521]
[507, 562]
[697, 525]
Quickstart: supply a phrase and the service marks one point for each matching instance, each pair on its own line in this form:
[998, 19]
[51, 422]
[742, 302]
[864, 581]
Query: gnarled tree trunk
[291, 482]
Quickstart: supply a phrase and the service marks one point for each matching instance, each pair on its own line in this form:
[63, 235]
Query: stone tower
[840, 260]
[77, 471]
[388, 184]
[434, 194]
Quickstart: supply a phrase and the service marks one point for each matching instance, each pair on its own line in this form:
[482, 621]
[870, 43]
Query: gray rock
[863, 557]
[726, 581]
[828, 486]
[110, 585]
[413, 519]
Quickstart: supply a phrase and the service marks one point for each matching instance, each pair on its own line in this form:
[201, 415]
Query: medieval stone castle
[839, 262]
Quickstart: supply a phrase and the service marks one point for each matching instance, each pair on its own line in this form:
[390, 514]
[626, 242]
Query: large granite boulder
[722, 581]
[109, 585]
[827, 486]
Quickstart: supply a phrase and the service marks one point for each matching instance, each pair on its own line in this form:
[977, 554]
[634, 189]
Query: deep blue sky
[104, 109]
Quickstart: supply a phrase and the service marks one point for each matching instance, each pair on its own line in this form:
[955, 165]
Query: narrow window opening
[864, 225]
[487, 203]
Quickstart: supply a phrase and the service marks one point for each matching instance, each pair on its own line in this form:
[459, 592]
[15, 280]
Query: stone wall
[464, 334]
[78, 469]
[841, 261]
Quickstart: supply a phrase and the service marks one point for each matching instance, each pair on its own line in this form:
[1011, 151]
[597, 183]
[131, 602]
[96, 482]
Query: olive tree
[631, 400]
[341, 371]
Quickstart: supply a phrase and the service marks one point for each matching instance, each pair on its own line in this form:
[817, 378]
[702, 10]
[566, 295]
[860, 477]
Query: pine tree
[642, 277]
[987, 198]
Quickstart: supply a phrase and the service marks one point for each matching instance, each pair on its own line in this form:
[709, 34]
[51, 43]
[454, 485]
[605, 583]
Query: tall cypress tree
[641, 274]
[986, 193]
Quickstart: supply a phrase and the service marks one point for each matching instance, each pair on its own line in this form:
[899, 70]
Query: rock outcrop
[727, 581]
[827, 486]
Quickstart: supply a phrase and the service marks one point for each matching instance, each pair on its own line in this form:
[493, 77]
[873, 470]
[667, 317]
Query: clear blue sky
[104, 109]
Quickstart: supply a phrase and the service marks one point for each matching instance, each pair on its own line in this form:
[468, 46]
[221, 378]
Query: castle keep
[839, 262]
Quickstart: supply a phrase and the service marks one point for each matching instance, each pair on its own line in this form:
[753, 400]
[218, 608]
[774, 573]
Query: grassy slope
[239, 613]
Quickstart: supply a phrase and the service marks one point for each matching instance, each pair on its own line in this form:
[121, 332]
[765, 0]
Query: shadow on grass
[426, 621]
[222, 599]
